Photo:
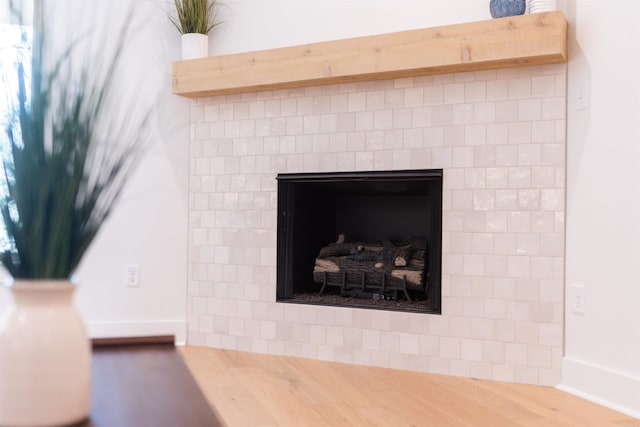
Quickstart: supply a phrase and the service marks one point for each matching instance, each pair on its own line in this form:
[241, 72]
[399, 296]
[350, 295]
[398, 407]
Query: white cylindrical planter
[195, 45]
[538, 6]
[45, 357]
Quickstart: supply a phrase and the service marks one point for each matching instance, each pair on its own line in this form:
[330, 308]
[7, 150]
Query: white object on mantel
[195, 45]
[538, 6]
[45, 357]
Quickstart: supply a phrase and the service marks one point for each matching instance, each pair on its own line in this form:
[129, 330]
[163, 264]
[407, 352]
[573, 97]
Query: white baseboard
[177, 328]
[613, 389]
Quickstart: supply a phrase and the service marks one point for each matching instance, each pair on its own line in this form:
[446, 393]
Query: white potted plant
[195, 19]
[65, 158]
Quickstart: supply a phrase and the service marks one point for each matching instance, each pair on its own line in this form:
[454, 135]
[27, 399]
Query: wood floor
[247, 389]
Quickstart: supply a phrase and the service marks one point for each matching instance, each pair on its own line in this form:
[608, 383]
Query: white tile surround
[499, 136]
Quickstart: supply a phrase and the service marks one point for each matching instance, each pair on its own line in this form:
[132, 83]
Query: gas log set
[383, 270]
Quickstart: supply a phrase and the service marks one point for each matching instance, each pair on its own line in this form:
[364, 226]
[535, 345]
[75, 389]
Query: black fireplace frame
[288, 189]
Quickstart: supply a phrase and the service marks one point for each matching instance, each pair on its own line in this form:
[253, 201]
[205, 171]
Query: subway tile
[462, 157]
[529, 154]
[433, 137]
[375, 100]
[528, 244]
[529, 109]
[552, 199]
[421, 117]
[496, 265]
[390, 341]
[442, 115]
[401, 159]
[504, 330]
[497, 89]
[543, 131]
[539, 356]
[434, 94]
[530, 199]
[450, 347]
[413, 96]
[518, 266]
[383, 119]
[506, 200]
[453, 136]
[321, 104]
[394, 98]
[553, 108]
[409, 138]
[475, 91]
[364, 121]
[464, 114]
[484, 112]
[552, 245]
[506, 155]
[482, 328]
[471, 350]
[461, 326]
[402, 118]
[473, 265]
[552, 154]
[441, 157]
[409, 343]
[502, 147]
[527, 333]
[339, 103]
[463, 77]
[519, 132]
[519, 88]
[481, 370]
[543, 176]
[493, 352]
[357, 101]
[454, 93]
[516, 354]
[288, 107]
[484, 200]
[496, 177]
[474, 221]
[475, 134]
[475, 178]
[484, 156]
[505, 244]
[485, 75]
[496, 221]
[503, 372]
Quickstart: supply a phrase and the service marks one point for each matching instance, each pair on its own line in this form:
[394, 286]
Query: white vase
[45, 357]
[195, 45]
[539, 6]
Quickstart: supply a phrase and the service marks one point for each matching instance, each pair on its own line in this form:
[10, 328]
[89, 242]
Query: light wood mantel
[532, 39]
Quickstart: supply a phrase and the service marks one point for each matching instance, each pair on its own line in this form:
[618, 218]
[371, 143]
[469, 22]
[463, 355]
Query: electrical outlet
[132, 276]
[582, 95]
[578, 298]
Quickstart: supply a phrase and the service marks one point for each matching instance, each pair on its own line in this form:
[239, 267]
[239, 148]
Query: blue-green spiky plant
[63, 172]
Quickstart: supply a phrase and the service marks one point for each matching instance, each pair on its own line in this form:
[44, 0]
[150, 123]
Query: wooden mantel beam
[532, 39]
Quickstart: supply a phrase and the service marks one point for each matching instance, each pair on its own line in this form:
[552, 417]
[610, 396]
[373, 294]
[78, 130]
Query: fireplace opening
[361, 239]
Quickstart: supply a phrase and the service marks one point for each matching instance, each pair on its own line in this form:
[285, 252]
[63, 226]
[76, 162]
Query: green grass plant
[195, 16]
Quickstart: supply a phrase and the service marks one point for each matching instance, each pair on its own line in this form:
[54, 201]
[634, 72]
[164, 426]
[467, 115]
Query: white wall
[149, 226]
[602, 346]
[262, 24]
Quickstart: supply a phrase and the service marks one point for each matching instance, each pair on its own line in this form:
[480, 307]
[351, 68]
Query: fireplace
[499, 139]
[361, 239]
